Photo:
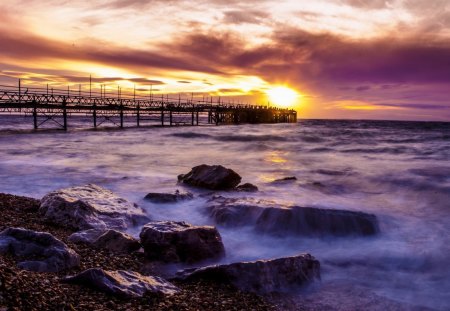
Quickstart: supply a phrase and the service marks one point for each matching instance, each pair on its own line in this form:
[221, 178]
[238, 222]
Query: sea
[398, 171]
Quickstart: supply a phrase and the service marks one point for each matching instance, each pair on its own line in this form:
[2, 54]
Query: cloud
[368, 4]
[415, 106]
[244, 17]
[26, 46]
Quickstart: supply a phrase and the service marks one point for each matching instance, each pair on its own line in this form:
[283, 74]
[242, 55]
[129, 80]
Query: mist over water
[399, 171]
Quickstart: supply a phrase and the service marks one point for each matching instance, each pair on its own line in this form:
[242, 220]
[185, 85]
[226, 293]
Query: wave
[387, 150]
[190, 135]
[345, 172]
[249, 138]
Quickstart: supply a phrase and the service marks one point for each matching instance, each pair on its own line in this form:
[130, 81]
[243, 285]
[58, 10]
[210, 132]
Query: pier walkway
[44, 104]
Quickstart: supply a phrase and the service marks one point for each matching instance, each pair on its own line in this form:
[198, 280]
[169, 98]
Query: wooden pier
[44, 104]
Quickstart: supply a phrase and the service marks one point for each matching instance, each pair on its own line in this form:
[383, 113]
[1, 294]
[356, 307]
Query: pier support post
[192, 118]
[217, 117]
[196, 117]
[35, 114]
[94, 114]
[64, 104]
[121, 114]
[138, 116]
[162, 116]
[170, 117]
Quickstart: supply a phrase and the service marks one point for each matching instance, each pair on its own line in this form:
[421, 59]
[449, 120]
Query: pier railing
[48, 104]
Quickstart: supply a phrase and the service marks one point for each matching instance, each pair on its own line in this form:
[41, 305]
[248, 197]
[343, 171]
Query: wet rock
[90, 207]
[171, 241]
[285, 180]
[272, 218]
[37, 251]
[247, 187]
[126, 284]
[112, 240]
[235, 211]
[116, 241]
[215, 177]
[86, 236]
[316, 221]
[156, 197]
[261, 276]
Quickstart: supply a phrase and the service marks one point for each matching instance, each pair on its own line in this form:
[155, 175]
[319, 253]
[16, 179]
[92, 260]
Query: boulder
[117, 242]
[157, 197]
[272, 218]
[235, 211]
[125, 284]
[316, 221]
[112, 240]
[247, 187]
[171, 241]
[214, 177]
[86, 236]
[90, 207]
[261, 276]
[37, 251]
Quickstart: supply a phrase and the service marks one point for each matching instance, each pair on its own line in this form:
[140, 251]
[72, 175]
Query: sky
[345, 59]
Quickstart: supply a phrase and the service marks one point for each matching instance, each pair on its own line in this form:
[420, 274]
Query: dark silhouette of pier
[57, 105]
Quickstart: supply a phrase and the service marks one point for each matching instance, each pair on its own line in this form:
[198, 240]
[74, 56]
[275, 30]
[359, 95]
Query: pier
[57, 106]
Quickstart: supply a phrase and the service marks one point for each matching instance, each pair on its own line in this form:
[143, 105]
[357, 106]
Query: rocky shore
[26, 290]
[71, 250]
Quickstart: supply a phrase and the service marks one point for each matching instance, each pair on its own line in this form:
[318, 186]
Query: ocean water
[399, 171]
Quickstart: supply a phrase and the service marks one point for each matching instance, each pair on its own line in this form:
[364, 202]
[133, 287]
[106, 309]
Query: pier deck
[45, 104]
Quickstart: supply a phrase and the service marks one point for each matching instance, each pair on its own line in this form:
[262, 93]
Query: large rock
[272, 218]
[37, 251]
[316, 221]
[112, 240]
[215, 177]
[171, 241]
[261, 276]
[116, 241]
[126, 284]
[157, 197]
[236, 211]
[88, 207]
[86, 236]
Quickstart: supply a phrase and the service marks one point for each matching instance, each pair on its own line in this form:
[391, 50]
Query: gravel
[25, 290]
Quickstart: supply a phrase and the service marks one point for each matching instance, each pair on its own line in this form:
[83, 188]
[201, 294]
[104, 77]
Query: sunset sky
[356, 59]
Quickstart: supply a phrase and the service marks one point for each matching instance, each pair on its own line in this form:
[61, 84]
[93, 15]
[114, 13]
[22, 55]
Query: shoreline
[25, 290]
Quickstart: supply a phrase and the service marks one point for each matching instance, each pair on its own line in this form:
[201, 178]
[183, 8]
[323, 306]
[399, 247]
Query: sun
[282, 96]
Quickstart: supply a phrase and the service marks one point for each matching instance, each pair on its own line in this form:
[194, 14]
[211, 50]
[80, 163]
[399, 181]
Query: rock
[171, 241]
[37, 251]
[215, 177]
[116, 241]
[90, 207]
[261, 276]
[168, 197]
[86, 236]
[112, 240]
[125, 284]
[316, 221]
[235, 211]
[247, 187]
[285, 179]
[272, 218]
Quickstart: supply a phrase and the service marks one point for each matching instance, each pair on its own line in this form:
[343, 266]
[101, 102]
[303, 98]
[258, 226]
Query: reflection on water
[396, 170]
[276, 157]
